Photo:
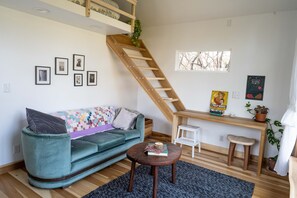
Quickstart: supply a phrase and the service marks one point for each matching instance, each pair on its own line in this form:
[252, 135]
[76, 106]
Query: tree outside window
[203, 61]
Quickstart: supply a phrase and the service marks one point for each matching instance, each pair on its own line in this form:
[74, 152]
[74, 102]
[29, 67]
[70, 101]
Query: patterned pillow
[42, 123]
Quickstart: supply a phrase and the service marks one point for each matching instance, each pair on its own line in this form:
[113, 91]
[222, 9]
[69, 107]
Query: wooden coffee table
[136, 154]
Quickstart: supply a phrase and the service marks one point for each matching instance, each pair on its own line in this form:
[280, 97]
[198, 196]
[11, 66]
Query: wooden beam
[132, 1]
[140, 57]
[153, 78]
[88, 7]
[147, 68]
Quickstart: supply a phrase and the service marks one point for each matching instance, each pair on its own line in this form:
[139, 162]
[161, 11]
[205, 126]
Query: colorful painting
[218, 102]
[255, 87]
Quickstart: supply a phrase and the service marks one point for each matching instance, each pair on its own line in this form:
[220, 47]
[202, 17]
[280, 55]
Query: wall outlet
[16, 149]
[221, 138]
[235, 95]
[6, 87]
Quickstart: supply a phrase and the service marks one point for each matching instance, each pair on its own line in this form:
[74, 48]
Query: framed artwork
[255, 87]
[218, 102]
[61, 66]
[42, 75]
[78, 80]
[78, 62]
[92, 78]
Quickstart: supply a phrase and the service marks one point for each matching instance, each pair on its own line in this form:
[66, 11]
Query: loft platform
[70, 13]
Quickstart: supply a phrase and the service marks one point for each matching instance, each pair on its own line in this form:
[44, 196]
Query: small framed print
[92, 78]
[78, 80]
[42, 75]
[78, 62]
[255, 87]
[61, 66]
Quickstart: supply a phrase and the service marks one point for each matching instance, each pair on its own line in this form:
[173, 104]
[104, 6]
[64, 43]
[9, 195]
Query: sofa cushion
[124, 119]
[81, 149]
[129, 134]
[44, 123]
[105, 140]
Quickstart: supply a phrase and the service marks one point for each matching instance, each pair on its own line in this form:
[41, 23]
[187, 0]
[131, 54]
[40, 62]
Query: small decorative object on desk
[156, 149]
[218, 102]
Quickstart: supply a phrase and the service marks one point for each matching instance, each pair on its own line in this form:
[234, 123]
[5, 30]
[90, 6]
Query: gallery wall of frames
[43, 73]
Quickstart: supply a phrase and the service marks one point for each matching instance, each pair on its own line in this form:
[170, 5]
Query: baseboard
[11, 166]
[205, 146]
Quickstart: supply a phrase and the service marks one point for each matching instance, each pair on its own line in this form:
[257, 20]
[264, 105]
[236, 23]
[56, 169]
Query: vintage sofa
[58, 160]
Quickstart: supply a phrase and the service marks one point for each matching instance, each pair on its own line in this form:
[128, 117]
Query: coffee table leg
[155, 187]
[174, 173]
[152, 170]
[130, 188]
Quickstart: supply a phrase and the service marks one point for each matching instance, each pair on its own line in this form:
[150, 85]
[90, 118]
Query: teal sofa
[56, 160]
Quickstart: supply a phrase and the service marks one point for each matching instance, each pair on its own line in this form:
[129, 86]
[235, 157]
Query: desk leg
[261, 151]
[155, 187]
[177, 121]
[130, 188]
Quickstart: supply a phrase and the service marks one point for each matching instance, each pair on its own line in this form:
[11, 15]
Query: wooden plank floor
[14, 183]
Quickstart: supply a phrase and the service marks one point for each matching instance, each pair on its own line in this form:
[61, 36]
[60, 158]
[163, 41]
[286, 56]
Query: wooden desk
[181, 117]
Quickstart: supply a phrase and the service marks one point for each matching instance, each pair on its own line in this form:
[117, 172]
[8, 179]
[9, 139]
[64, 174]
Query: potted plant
[136, 33]
[274, 133]
[274, 130]
[260, 112]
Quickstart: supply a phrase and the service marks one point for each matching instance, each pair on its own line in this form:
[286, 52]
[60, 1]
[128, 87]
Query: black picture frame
[78, 62]
[42, 75]
[255, 87]
[61, 66]
[92, 78]
[78, 80]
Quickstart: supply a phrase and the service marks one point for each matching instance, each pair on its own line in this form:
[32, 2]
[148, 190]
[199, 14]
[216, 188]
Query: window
[203, 61]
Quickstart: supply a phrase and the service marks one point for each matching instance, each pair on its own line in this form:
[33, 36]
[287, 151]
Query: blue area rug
[191, 181]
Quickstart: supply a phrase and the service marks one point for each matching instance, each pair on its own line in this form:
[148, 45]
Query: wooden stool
[186, 140]
[246, 142]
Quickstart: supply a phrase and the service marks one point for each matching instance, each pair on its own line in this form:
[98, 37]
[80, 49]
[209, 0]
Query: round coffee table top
[136, 153]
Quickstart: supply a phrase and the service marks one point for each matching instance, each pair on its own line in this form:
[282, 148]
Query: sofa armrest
[140, 125]
[46, 155]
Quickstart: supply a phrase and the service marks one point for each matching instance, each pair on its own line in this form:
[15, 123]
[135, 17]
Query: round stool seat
[241, 140]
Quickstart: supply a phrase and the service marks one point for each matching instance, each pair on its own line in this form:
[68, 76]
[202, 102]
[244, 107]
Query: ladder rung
[131, 47]
[152, 78]
[140, 57]
[147, 68]
[170, 99]
[162, 89]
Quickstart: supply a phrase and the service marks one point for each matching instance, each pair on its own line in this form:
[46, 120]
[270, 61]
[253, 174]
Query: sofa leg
[64, 187]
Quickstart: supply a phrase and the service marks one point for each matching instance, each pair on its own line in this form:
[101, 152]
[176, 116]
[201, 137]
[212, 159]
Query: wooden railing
[115, 9]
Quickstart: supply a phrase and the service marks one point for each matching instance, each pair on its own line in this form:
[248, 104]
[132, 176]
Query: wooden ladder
[146, 71]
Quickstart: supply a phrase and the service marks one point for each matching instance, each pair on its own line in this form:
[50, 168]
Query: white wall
[27, 41]
[260, 44]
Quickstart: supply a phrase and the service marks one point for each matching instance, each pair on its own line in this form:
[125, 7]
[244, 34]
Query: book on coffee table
[152, 150]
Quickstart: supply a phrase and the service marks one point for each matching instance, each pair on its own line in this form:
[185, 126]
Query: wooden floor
[14, 184]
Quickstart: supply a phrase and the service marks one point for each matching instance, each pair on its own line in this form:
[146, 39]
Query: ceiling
[164, 12]
[155, 12]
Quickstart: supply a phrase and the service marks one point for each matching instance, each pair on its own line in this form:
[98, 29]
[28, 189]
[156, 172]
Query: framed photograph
[92, 78]
[255, 87]
[78, 80]
[61, 66]
[78, 62]
[42, 75]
